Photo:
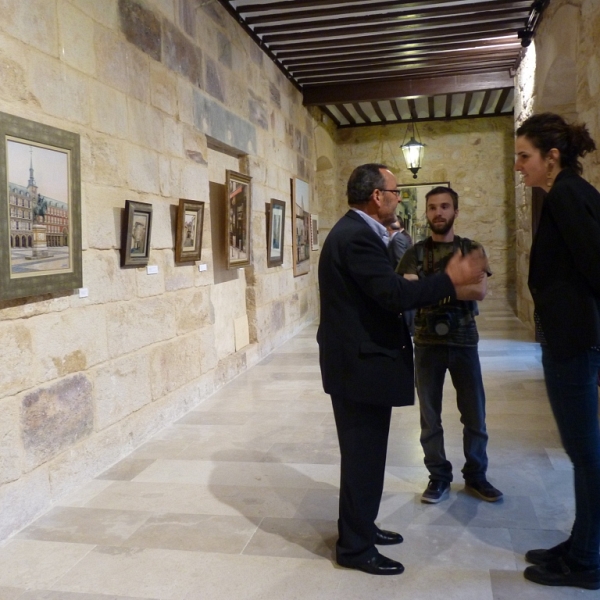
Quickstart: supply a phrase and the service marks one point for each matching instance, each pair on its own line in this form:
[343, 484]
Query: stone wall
[559, 73]
[166, 95]
[474, 155]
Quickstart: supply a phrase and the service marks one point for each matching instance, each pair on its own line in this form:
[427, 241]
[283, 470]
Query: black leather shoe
[558, 573]
[387, 538]
[378, 565]
[542, 556]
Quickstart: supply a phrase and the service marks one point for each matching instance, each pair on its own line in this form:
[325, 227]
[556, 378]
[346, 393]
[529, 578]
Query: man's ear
[377, 196]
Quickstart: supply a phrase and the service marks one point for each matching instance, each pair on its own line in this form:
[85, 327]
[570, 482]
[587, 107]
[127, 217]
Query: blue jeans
[431, 364]
[573, 393]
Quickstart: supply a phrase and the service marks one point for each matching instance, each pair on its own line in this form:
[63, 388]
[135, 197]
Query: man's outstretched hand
[467, 269]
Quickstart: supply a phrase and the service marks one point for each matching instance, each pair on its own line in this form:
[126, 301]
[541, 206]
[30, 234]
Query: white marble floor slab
[238, 499]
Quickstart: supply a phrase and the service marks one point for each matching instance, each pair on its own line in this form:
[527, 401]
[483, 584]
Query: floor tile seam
[72, 567]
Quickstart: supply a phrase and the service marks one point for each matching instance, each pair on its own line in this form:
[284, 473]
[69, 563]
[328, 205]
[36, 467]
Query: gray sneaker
[436, 491]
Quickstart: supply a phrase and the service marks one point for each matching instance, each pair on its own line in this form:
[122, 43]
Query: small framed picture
[314, 232]
[238, 220]
[190, 223]
[135, 235]
[40, 204]
[276, 230]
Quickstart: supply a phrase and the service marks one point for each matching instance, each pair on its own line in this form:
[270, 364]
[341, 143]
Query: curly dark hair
[363, 181]
[548, 130]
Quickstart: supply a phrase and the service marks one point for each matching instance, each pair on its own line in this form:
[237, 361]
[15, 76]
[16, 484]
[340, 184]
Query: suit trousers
[363, 431]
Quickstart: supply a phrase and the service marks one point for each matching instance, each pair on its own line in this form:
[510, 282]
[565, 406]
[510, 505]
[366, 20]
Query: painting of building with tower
[38, 209]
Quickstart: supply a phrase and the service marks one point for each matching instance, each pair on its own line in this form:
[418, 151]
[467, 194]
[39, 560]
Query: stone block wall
[475, 156]
[149, 86]
[560, 73]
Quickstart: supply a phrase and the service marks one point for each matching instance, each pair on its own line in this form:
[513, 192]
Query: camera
[441, 323]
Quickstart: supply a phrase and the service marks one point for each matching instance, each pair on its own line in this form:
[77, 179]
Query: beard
[442, 227]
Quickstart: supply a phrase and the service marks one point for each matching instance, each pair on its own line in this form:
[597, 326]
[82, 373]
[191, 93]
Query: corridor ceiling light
[413, 150]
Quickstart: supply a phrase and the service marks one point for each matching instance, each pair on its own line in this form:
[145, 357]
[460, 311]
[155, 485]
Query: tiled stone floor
[238, 500]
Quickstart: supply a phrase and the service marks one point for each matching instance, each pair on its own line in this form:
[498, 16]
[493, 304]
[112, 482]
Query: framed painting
[314, 232]
[188, 237]
[300, 226]
[40, 204]
[135, 234]
[275, 231]
[238, 220]
[412, 207]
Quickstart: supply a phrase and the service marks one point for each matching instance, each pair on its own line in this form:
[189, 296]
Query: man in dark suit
[400, 241]
[366, 353]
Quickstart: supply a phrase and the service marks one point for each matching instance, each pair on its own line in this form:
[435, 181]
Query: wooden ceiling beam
[378, 111]
[413, 109]
[424, 27]
[346, 114]
[473, 12]
[404, 72]
[334, 56]
[295, 9]
[467, 104]
[383, 40]
[484, 102]
[502, 100]
[363, 115]
[448, 105]
[425, 60]
[388, 89]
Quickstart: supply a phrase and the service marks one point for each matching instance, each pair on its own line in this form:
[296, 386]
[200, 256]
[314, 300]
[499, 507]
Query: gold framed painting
[40, 200]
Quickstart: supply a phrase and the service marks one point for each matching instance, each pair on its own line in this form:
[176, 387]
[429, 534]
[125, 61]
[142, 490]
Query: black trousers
[363, 431]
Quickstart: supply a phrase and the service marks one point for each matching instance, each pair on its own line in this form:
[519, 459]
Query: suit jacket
[564, 268]
[364, 346]
[399, 244]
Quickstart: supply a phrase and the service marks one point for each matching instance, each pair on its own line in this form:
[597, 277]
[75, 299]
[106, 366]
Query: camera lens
[442, 328]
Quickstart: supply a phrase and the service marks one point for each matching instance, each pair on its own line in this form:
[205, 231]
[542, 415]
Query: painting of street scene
[39, 211]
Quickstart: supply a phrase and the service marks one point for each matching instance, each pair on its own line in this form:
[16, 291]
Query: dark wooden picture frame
[300, 226]
[314, 232]
[188, 237]
[275, 233]
[238, 220]
[40, 200]
[136, 233]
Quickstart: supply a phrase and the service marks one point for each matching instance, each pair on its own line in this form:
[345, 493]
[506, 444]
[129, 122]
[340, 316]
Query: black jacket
[564, 268]
[365, 349]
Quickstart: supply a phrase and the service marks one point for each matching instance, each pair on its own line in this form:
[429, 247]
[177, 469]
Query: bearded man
[446, 339]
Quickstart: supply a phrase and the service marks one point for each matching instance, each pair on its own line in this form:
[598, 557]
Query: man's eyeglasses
[397, 192]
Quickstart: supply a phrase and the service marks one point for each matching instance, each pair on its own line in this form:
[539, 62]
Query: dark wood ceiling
[367, 62]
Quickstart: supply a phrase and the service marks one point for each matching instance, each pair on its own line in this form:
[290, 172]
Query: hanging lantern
[413, 150]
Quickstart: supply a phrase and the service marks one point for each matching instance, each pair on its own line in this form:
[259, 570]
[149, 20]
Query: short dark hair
[442, 189]
[364, 181]
[548, 130]
[400, 222]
